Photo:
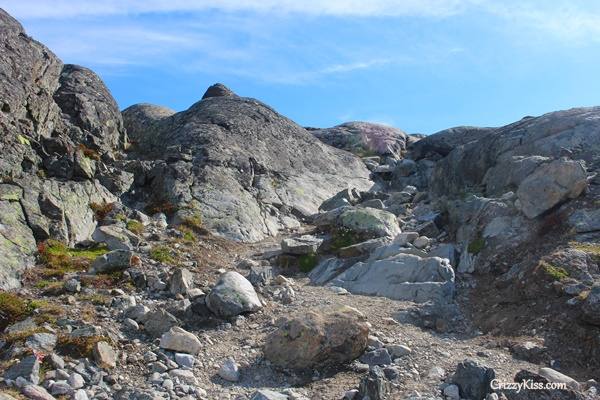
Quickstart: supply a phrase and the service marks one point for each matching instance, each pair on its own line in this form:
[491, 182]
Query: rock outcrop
[365, 139]
[59, 125]
[246, 169]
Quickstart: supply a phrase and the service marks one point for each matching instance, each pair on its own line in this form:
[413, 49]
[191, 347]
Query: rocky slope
[224, 252]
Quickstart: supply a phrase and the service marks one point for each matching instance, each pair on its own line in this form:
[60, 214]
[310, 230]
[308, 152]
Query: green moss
[161, 254]
[556, 273]
[121, 217]
[60, 259]
[18, 338]
[13, 308]
[43, 284]
[78, 347]
[593, 249]
[193, 221]
[23, 140]
[307, 262]
[189, 236]
[135, 226]
[476, 245]
[344, 238]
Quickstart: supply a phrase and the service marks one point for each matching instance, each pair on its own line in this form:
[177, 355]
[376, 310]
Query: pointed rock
[218, 90]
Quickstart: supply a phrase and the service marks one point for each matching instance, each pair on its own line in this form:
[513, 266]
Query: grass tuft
[161, 254]
[78, 347]
[135, 226]
[556, 273]
[59, 259]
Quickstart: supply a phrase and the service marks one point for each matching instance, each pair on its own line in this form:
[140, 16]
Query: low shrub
[307, 262]
[476, 245]
[89, 153]
[101, 210]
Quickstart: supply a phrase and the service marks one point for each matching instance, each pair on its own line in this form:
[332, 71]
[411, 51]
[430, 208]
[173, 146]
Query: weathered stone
[584, 221]
[116, 260]
[229, 370]
[374, 386]
[232, 295]
[398, 350]
[401, 277]
[328, 269]
[41, 341]
[35, 392]
[473, 379]
[158, 322]
[105, 355]
[591, 306]
[317, 340]
[376, 357]
[28, 368]
[181, 281]
[265, 394]
[178, 339]
[551, 184]
[369, 222]
[301, 245]
[116, 237]
[556, 377]
[85, 99]
[345, 197]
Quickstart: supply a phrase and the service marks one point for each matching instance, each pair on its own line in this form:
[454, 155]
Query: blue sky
[420, 65]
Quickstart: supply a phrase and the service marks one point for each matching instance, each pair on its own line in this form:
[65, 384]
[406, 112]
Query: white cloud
[69, 8]
[573, 22]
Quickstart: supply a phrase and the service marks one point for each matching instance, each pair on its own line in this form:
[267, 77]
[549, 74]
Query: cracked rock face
[47, 112]
[247, 169]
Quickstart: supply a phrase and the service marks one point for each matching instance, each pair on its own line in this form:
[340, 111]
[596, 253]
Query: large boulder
[401, 277]
[365, 138]
[232, 295]
[318, 340]
[369, 222]
[551, 184]
[247, 170]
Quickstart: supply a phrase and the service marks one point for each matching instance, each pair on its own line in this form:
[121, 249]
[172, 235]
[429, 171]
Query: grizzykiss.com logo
[528, 384]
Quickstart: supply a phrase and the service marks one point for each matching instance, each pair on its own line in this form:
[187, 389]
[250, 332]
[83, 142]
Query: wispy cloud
[68, 8]
[573, 22]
